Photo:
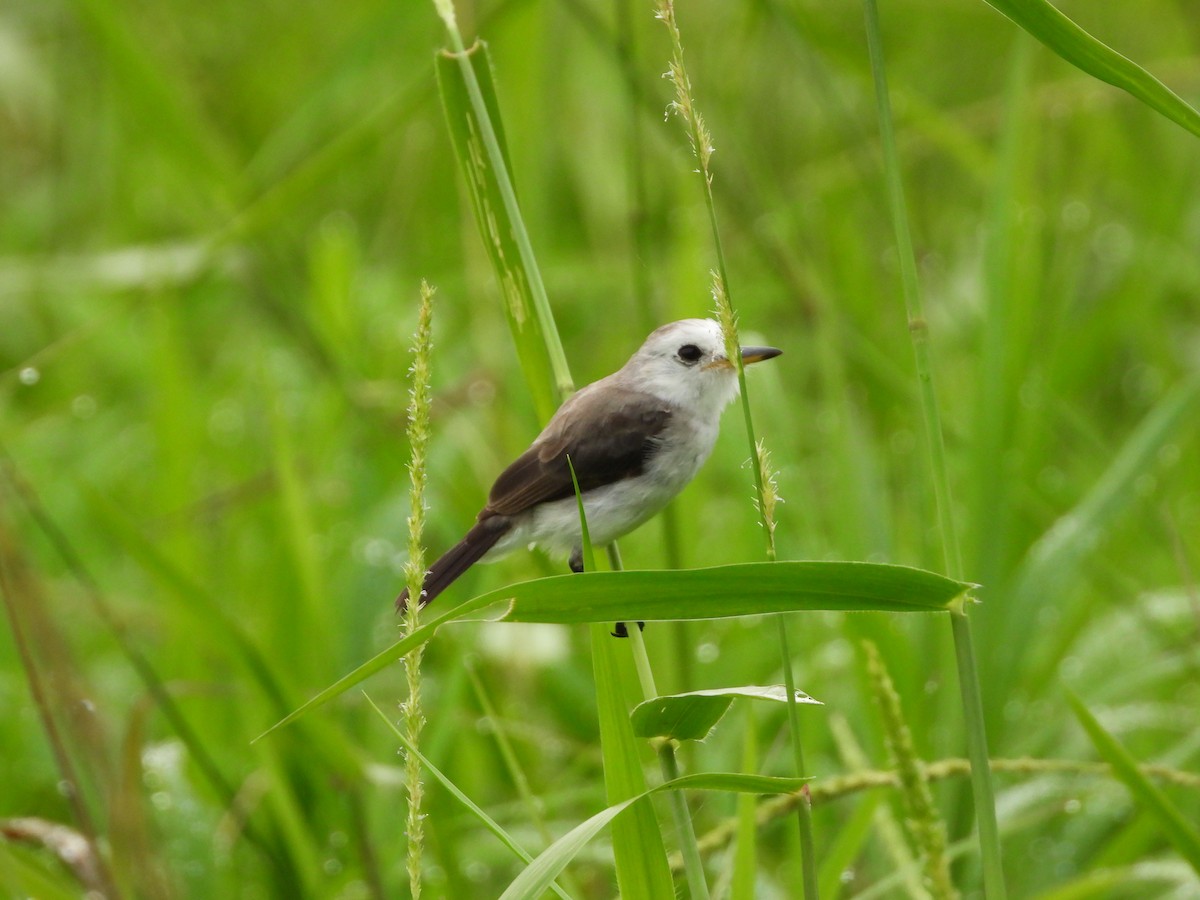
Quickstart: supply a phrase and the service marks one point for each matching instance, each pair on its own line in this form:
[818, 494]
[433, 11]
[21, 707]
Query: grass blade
[745, 856]
[960, 625]
[470, 115]
[693, 716]
[444, 780]
[1059, 551]
[638, 850]
[1042, 20]
[1149, 796]
[376, 663]
[741, 589]
[538, 876]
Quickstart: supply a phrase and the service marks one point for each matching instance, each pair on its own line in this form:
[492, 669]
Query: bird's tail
[478, 541]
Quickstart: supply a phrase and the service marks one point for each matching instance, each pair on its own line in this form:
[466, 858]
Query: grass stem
[669, 763]
[701, 141]
[968, 677]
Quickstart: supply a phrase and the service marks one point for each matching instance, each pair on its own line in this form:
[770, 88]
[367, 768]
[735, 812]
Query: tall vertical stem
[968, 677]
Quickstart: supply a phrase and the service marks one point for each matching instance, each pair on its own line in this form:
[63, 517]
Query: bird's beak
[758, 354]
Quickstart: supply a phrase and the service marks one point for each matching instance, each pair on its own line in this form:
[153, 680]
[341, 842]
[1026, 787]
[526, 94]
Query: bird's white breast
[616, 509]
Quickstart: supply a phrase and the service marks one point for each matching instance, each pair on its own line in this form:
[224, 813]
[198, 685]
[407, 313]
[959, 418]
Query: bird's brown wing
[609, 436]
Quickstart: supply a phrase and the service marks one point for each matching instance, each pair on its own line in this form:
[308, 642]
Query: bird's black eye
[690, 353]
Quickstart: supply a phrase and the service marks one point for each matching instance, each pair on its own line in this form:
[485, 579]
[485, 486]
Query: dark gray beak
[758, 354]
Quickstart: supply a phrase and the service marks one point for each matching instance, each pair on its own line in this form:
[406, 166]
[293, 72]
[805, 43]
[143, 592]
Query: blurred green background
[213, 223]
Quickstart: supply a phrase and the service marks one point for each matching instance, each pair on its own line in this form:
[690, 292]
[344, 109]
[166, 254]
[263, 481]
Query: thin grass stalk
[541, 302]
[414, 569]
[533, 807]
[453, 789]
[968, 677]
[649, 312]
[146, 673]
[884, 825]
[924, 824]
[693, 866]
[96, 863]
[745, 856]
[843, 786]
[564, 382]
[702, 148]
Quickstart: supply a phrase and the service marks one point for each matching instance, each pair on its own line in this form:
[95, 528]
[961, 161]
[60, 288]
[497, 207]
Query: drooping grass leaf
[693, 715]
[1044, 21]
[380, 660]
[1181, 832]
[742, 589]
[535, 879]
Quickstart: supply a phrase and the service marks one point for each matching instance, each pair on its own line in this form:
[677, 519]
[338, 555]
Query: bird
[635, 439]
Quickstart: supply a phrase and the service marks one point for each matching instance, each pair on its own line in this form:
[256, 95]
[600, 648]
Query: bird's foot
[620, 631]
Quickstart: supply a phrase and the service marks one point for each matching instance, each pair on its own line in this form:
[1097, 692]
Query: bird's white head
[685, 364]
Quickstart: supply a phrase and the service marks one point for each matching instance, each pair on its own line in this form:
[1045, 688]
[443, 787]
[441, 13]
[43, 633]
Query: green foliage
[216, 218]
[537, 877]
[1169, 818]
[693, 716]
[1046, 23]
[473, 115]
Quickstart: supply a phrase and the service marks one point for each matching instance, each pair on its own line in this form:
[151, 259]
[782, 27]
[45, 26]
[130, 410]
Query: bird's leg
[576, 564]
[621, 631]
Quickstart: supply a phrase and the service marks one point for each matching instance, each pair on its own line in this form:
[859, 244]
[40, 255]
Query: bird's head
[685, 364]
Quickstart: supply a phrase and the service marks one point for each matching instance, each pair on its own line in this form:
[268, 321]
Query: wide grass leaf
[692, 716]
[742, 589]
[1181, 832]
[1044, 21]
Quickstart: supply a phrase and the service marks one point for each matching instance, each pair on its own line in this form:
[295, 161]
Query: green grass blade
[589, 555]
[24, 874]
[535, 879]
[741, 589]
[196, 601]
[444, 780]
[745, 857]
[376, 663]
[968, 673]
[498, 222]
[296, 521]
[1042, 20]
[148, 90]
[692, 716]
[638, 849]
[1057, 553]
[1181, 832]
